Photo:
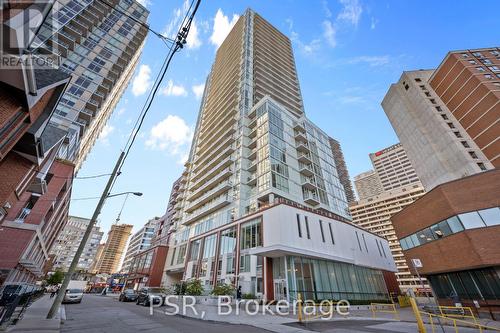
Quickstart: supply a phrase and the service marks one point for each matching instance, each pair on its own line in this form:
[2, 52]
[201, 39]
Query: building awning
[276, 251]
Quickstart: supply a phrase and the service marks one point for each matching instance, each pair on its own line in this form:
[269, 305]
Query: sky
[347, 54]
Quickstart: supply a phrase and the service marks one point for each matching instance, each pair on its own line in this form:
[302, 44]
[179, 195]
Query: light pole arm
[57, 301]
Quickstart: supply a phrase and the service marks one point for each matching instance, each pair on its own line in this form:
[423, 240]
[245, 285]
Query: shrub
[180, 288]
[194, 287]
[56, 278]
[248, 296]
[223, 289]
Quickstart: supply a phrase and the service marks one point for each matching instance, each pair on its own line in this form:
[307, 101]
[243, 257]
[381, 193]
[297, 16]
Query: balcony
[253, 154]
[300, 136]
[217, 161]
[252, 179]
[302, 146]
[253, 143]
[308, 183]
[253, 166]
[222, 149]
[306, 169]
[310, 198]
[217, 204]
[201, 187]
[204, 176]
[219, 189]
[304, 158]
[299, 127]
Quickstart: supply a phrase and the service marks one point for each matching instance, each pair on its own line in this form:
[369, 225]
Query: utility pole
[62, 291]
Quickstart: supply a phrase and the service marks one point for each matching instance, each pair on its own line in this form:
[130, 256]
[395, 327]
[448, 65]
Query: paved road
[105, 314]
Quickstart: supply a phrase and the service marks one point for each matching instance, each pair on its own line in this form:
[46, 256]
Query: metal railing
[385, 308]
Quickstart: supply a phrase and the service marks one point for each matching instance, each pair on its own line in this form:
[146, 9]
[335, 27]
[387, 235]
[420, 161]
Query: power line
[179, 44]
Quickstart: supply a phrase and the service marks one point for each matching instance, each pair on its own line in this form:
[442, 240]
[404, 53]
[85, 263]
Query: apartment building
[367, 184]
[468, 83]
[140, 241]
[393, 167]
[345, 180]
[261, 194]
[69, 240]
[35, 186]
[438, 146]
[113, 251]
[374, 214]
[99, 44]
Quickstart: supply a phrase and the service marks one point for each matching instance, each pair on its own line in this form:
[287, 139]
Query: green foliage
[194, 287]
[223, 289]
[248, 296]
[56, 278]
[180, 288]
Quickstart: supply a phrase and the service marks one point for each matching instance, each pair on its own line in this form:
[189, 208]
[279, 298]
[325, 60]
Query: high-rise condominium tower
[114, 249]
[261, 195]
[68, 241]
[368, 184]
[99, 42]
[345, 180]
[139, 242]
[452, 132]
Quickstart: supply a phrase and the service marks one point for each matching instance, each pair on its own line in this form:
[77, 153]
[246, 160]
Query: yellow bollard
[416, 311]
[299, 305]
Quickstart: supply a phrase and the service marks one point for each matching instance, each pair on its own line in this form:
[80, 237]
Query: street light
[105, 194]
[139, 194]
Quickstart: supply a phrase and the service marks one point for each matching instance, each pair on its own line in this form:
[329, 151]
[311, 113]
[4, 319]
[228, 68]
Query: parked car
[128, 295]
[73, 296]
[147, 293]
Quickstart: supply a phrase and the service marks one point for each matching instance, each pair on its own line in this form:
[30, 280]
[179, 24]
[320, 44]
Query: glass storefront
[320, 280]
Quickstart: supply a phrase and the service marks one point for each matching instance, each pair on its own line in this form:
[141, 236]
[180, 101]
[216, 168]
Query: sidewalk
[34, 319]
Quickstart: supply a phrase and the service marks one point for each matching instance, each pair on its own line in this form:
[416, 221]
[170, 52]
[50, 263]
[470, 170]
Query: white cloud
[222, 27]
[306, 48]
[142, 81]
[120, 111]
[174, 90]
[351, 11]
[105, 133]
[198, 90]
[329, 32]
[172, 135]
[374, 23]
[177, 15]
[193, 38]
[328, 12]
[372, 61]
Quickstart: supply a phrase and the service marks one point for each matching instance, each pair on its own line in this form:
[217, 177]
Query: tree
[223, 289]
[56, 278]
[194, 287]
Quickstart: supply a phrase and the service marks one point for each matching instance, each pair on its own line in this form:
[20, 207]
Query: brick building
[455, 232]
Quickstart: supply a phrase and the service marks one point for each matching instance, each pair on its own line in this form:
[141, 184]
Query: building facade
[68, 241]
[367, 184]
[374, 215]
[455, 232]
[343, 173]
[139, 242]
[99, 46]
[256, 166]
[468, 83]
[113, 251]
[393, 167]
[35, 186]
[438, 146]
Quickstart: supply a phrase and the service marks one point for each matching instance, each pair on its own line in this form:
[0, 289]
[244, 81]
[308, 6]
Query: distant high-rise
[114, 249]
[99, 46]
[393, 167]
[367, 184]
[342, 171]
[438, 145]
[139, 242]
[69, 239]
[468, 83]
[261, 204]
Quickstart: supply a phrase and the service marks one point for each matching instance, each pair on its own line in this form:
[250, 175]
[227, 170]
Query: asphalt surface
[98, 314]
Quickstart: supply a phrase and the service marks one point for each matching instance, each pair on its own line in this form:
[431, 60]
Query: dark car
[150, 293]
[128, 295]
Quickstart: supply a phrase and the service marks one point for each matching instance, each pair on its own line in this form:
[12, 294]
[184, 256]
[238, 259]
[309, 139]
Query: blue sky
[347, 53]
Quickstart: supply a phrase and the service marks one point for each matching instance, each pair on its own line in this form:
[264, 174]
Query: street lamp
[139, 194]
